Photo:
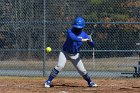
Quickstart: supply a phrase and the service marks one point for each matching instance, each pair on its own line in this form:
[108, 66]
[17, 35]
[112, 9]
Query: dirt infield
[68, 85]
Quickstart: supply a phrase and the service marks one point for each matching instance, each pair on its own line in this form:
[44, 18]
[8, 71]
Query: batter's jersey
[74, 42]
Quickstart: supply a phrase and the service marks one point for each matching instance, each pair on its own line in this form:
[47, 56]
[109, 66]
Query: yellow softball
[48, 49]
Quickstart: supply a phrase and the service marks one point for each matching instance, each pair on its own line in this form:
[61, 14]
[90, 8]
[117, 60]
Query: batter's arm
[91, 43]
[75, 38]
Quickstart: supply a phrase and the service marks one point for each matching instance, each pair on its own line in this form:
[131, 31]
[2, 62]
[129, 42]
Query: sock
[87, 78]
[53, 74]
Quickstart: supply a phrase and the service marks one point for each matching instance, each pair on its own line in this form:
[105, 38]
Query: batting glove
[90, 37]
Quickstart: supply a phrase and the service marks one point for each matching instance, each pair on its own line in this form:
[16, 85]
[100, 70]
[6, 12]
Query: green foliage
[97, 2]
[121, 16]
[95, 15]
[92, 16]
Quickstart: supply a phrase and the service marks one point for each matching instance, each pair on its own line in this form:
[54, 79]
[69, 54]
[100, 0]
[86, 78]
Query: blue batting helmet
[79, 22]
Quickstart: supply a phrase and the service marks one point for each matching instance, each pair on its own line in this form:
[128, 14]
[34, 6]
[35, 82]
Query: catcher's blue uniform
[74, 42]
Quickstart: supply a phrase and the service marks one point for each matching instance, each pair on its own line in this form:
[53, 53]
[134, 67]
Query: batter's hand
[85, 40]
[90, 38]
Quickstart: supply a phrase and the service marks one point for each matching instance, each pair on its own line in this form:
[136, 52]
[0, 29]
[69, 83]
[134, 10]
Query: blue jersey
[74, 42]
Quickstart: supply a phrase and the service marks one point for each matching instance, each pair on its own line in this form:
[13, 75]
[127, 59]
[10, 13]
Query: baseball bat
[94, 26]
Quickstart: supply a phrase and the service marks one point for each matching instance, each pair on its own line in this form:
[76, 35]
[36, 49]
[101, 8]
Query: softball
[48, 49]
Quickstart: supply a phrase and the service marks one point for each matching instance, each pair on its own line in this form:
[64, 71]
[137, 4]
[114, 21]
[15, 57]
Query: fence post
[139, 67]
[44, 53]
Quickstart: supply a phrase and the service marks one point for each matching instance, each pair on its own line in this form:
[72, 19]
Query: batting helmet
[79, 22]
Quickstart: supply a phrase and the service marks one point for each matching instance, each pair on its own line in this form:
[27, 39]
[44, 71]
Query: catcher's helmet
[79, 23]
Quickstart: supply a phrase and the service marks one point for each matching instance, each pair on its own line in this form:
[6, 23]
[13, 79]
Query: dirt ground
[68, 85]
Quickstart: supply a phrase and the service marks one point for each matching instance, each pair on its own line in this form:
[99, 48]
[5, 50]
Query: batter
[71, 48]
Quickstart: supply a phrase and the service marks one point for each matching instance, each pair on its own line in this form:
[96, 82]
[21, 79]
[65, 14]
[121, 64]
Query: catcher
[71, 48]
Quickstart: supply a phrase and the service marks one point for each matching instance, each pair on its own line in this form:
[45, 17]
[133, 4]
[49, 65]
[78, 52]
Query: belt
[71, 54]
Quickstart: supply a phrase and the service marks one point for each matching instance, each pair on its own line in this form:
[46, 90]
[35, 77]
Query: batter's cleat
[47, 84]
[91, 84]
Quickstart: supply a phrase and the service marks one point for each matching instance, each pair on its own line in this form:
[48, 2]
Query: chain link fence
[27, 27]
